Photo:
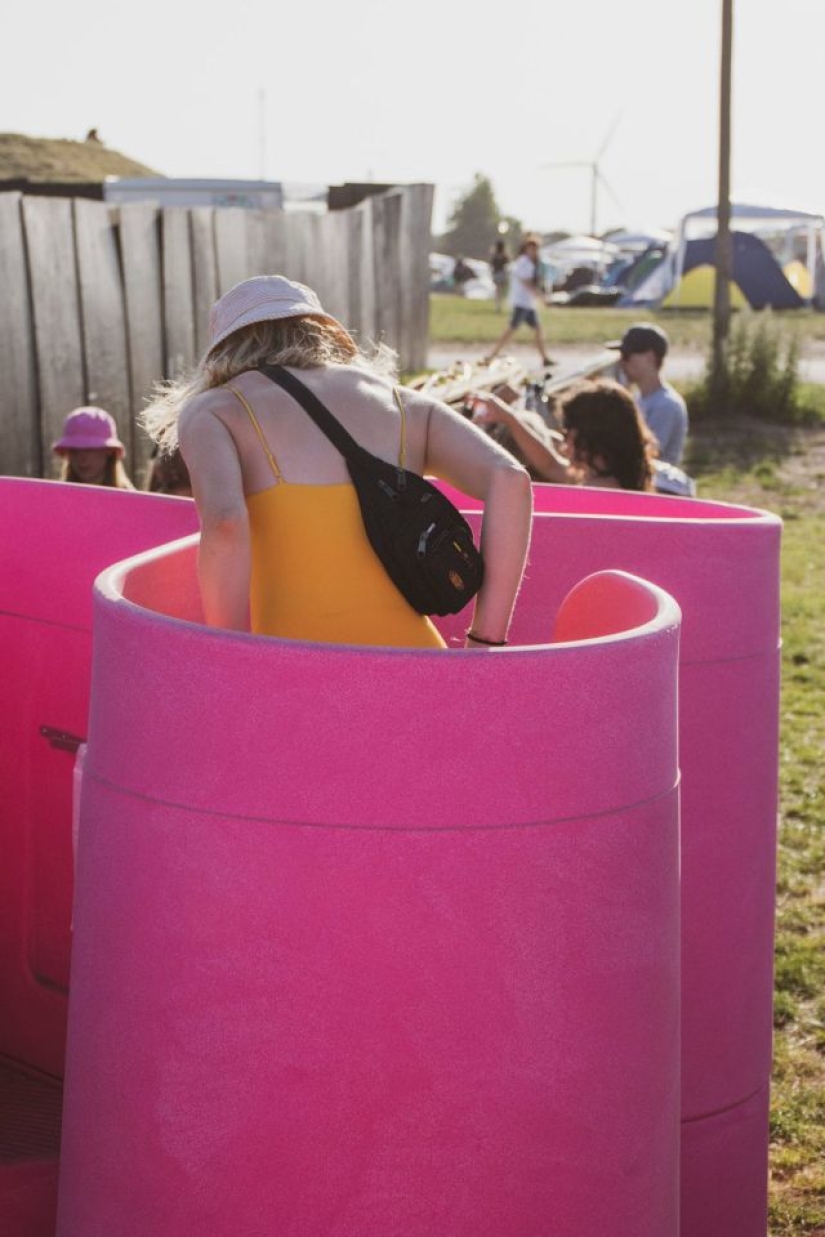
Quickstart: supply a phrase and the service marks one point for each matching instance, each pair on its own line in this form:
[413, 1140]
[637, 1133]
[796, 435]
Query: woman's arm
[538, 452]
[470, 460]
[224, 558]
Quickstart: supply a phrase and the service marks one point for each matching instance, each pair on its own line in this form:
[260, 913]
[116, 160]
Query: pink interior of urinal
[589, 500]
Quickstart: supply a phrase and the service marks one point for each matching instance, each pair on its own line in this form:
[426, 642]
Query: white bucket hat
[264, 298]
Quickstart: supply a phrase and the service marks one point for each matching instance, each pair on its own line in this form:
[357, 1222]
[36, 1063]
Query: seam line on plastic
[723, 661]
[341, 825]
[719, 1112]
[45, 622]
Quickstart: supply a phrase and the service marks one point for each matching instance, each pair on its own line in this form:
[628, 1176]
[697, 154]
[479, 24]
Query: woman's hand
[462, 454]
[490, 410]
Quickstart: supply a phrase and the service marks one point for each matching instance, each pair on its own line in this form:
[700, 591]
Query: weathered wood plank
[20, 447]
[387, 217]
[255, 243]
[204, 271]
[231, 247]
[315, 257]
[103, 314]
[336, 293]
[140, 252]
[56, 312]
[297, 260]
[275, 243]
[368, 321]
[353, 249]
[414, 279]
[178, 296]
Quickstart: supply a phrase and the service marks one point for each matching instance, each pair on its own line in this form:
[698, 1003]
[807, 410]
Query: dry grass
[42, 158]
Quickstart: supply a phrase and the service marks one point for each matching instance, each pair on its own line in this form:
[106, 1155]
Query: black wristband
[494, 644]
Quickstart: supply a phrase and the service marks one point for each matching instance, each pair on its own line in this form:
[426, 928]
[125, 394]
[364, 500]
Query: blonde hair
[115, 476]
[302, 342]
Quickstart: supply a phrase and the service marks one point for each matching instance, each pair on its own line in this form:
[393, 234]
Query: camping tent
[777, 261]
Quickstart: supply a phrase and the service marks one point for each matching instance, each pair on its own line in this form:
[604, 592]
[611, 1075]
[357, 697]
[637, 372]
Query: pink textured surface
[344, 965]
[725, 1170]
[55, 539]
[721, 564]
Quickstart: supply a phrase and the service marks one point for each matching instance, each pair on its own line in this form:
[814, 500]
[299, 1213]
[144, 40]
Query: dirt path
[775, 467]
[683, 365]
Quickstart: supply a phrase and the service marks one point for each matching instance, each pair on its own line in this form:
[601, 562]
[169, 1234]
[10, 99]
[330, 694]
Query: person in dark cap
[643, 348]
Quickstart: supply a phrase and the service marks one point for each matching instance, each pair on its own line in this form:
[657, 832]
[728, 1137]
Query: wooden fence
[100, 302]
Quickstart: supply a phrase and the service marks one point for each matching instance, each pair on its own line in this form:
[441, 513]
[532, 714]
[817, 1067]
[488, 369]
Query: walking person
[525, 289]
[499, 264]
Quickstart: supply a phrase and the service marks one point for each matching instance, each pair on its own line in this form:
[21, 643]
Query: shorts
[520, 315]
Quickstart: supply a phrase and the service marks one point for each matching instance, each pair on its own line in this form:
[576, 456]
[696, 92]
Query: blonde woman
[283, 548]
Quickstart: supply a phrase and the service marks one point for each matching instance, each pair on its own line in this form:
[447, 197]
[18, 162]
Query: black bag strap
[318, 411]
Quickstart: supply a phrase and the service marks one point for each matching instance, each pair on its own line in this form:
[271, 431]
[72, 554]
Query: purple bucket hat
[89, 429]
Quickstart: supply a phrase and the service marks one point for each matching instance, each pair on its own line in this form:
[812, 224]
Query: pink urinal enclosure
[721, 563]
[55, 539]
[375, 941]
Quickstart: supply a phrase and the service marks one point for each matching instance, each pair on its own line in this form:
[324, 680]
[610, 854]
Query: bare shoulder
[422, 405]
[214, 404]
[204, 424]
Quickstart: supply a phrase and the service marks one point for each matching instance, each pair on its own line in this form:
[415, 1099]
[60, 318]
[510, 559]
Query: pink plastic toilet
[721, 564]
[55, 539]
[375, 941]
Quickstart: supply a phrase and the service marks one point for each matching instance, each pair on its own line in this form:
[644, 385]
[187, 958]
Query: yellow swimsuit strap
[272, 461]
[402, 450]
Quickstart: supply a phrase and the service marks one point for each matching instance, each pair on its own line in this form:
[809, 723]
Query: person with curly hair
[603, 441]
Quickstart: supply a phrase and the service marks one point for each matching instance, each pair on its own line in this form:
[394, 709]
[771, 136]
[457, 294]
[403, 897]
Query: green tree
[473, 226]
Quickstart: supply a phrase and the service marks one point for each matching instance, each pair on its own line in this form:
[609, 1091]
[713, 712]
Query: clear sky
[437, 90]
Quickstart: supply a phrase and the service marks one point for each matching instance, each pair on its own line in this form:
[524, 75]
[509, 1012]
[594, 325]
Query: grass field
[455, 320]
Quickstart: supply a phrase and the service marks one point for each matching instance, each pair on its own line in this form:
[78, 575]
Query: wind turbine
[595, 174]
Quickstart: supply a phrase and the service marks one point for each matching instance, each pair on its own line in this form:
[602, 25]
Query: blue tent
[755, 269]
[769, 245]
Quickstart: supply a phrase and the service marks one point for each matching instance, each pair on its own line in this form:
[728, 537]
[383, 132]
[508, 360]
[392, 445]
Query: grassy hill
[44, 158]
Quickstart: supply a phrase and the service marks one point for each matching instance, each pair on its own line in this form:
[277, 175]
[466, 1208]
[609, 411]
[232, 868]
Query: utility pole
[724, 248]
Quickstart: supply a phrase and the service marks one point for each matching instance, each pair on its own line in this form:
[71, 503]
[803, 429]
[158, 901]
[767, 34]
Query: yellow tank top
[315, 575]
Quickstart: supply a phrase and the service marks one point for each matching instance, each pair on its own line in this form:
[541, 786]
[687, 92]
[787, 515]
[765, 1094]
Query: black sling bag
[423, 541]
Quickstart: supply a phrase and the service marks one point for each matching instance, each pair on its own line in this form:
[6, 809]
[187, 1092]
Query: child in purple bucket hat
[91, 450]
